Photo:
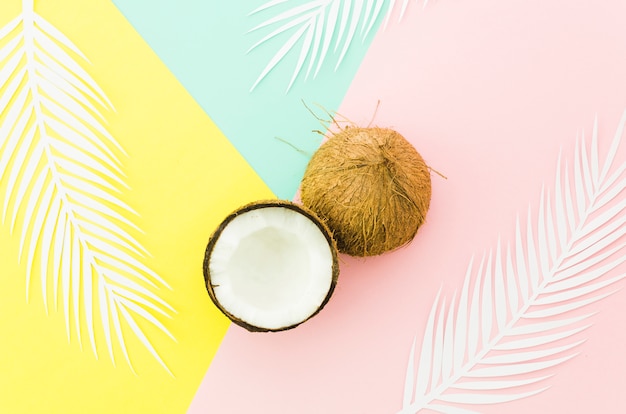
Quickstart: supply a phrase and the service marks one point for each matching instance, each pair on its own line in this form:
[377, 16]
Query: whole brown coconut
[371, 186]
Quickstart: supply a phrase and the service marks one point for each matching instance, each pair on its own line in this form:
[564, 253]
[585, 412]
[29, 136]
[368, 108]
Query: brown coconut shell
[372, 188]
[260, 205]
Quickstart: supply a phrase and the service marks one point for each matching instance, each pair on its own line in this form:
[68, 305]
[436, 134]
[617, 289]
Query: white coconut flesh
[271, 267]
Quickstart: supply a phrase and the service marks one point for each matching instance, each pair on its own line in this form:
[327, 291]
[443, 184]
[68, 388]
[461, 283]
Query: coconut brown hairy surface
[371, 187]
[271, 265]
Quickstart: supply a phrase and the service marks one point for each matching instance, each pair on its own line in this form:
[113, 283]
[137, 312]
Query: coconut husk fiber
[372, 188]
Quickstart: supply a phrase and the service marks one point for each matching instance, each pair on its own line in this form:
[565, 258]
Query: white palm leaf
[520, 318]
[63, 178]
[314, 25]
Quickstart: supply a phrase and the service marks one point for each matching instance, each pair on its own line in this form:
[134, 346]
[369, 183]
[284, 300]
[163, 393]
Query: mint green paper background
[204, 44]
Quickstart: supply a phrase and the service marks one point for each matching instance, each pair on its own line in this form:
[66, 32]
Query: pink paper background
[488, 91]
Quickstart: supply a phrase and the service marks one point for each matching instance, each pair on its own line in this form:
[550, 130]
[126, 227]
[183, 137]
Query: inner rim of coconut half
[271, 267]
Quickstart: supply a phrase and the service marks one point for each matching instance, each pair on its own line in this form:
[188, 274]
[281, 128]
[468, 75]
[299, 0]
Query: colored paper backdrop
[130, 128]
[491, 93]
[205, 44]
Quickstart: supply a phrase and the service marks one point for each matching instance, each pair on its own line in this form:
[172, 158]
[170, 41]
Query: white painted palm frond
[520, 310]
[63, 177]
[318, 26]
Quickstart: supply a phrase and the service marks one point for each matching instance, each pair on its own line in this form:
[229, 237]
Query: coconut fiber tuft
[371, 187]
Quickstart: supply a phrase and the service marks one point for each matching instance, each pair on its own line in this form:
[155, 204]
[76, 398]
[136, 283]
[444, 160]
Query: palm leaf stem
[51, 162]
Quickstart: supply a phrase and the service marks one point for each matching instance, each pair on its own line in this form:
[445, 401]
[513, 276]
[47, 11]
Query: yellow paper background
[184, 177]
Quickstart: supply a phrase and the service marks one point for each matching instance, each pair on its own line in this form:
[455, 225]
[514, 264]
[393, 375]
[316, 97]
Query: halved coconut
[271, 265]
